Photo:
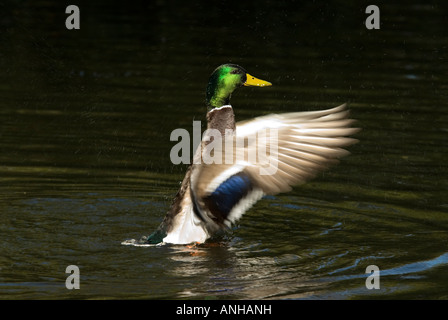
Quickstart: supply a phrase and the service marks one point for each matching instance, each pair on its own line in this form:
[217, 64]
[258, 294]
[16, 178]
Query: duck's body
[295, 147]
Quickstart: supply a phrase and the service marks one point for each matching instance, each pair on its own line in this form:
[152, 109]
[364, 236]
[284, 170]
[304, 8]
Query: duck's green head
[224, 80]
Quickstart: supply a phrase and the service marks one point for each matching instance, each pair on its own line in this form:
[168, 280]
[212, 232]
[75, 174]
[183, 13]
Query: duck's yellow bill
[254, 82]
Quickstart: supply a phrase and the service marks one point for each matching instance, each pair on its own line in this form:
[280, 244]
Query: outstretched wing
[295, 146]
[270, 155]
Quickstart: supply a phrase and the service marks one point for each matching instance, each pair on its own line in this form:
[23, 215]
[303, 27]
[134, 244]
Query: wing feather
[306, 143]
[297, 146]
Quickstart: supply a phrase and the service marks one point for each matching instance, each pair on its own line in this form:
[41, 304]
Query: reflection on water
[85, 121]
[227, 272]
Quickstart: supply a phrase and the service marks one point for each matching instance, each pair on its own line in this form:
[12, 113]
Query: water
[85, 120]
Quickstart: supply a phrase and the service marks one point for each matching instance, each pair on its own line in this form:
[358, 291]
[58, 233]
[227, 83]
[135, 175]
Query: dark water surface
[85, 123]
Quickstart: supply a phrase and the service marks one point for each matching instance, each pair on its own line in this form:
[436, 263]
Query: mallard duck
[214, 195]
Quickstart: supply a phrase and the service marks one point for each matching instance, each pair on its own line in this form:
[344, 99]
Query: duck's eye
[235, 71]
